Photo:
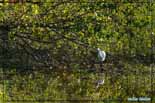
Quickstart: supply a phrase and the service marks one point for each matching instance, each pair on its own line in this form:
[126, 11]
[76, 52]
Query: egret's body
[101, 55]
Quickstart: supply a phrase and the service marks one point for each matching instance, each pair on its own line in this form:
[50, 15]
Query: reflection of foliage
[80, 85]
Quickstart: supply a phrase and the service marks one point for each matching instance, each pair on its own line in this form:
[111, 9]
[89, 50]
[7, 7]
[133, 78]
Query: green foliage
[64, 36]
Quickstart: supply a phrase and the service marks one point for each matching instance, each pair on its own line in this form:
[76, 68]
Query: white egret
[101, 55]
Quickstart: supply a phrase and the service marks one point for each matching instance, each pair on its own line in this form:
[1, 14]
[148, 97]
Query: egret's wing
[102, 55]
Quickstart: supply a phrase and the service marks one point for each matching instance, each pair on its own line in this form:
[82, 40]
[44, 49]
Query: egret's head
[98, 49]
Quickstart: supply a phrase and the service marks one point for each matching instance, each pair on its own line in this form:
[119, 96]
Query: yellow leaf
[35, 9]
